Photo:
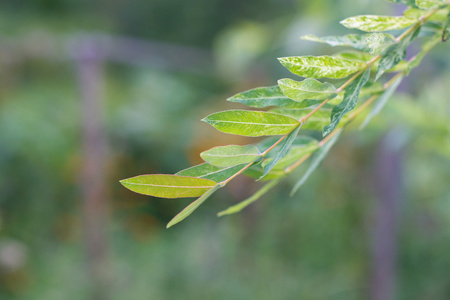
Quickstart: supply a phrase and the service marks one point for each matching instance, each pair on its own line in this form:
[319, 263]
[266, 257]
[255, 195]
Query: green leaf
[378, 43]
[381, 101]
[348, 103]
[281, 152]
[395, 54]
[168, 186]
[317, 158]
[321, 66]
[430, 4]
[241, 205]
[371, 23]
[251, 123]
[228, 156]
[356, 41]
[307, 89]
[207, 171]
[263, 97]
[193, 206]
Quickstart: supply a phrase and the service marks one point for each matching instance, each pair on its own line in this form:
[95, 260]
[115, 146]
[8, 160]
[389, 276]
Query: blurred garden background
[92, 92]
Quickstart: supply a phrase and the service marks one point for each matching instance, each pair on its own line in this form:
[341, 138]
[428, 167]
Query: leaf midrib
[170, 186]
[264, 124]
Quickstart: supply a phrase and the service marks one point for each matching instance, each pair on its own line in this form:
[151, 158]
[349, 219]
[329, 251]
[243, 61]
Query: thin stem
[224, 183]
[279, 141]
[297, 163]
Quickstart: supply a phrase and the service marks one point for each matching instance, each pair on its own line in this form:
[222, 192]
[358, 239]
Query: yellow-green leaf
[207, 171]
[371, 23]
[307, 89]
[356, 41]
[321, 66]
[251, 123]
[168, 186]
[262, 97]
[227, 156]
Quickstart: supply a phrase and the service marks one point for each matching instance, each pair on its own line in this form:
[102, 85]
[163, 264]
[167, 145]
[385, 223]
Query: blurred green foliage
[314, 246]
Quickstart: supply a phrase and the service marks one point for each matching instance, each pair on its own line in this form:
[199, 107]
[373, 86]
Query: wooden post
[92, 179]
[389, 190]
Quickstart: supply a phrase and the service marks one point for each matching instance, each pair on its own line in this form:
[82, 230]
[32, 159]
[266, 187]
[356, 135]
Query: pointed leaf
[263, 97]
[207, 171]
[356, 41]
[321, 66]
[241, 205]
[228, 156]
[371, 23]
[381, 101]
[284, 148]
[317, 158]
[307, 89]
[168, 186]
[193, 206]
[251, 123]
[395, 54]
[348, 103]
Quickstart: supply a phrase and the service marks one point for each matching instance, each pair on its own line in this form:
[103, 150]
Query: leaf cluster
[294, 109]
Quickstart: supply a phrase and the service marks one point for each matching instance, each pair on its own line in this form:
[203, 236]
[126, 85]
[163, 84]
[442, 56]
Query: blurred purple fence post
[389, 190]
[89, 61]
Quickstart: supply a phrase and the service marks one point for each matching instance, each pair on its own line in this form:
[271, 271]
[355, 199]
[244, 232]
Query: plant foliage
[309, 104]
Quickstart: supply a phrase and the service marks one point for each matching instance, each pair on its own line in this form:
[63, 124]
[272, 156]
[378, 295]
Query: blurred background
[92, 92]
